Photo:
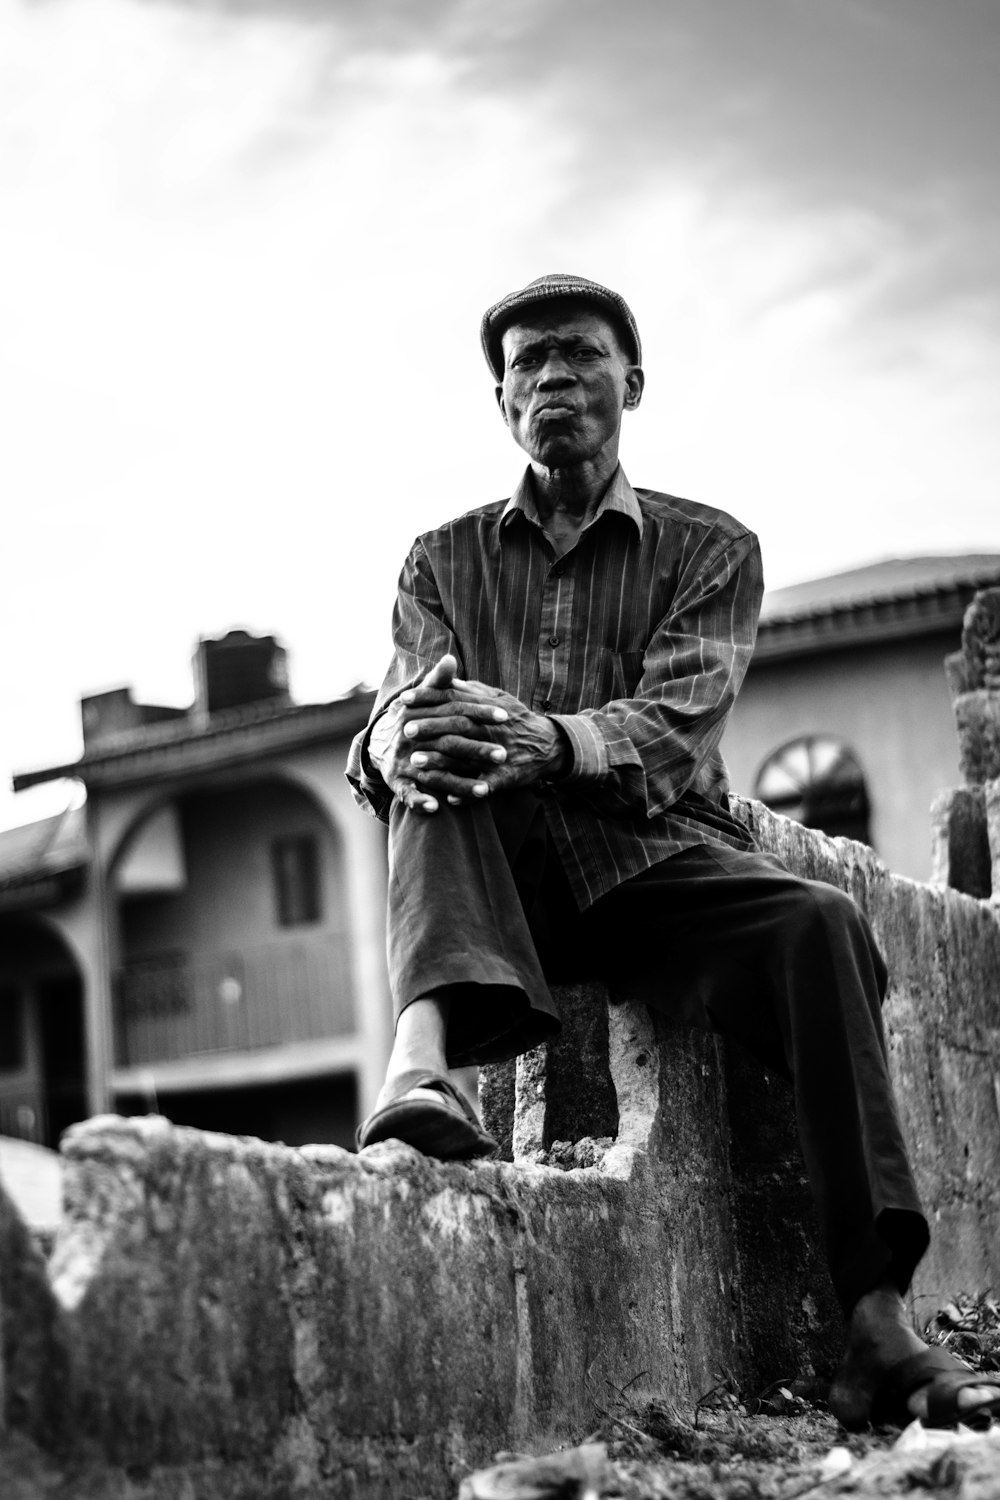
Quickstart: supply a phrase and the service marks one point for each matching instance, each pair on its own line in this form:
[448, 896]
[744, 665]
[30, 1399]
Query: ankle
[415, 1059]
[879, 1321]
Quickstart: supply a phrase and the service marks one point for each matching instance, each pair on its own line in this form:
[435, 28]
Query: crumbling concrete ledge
[242, 1319]
[375, 1325]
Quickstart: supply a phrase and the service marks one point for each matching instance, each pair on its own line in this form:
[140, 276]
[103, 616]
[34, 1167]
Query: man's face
[565, 385]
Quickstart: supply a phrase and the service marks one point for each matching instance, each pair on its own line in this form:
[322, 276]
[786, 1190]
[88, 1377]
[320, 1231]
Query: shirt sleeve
[639, 755]
[421, 636]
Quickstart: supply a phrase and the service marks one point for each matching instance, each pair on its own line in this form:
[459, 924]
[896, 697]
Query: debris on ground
[780, 1443]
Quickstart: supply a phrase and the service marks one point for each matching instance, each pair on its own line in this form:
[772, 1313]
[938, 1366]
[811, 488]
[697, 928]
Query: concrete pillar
[966, 821]
[97, 997]
[959, 842]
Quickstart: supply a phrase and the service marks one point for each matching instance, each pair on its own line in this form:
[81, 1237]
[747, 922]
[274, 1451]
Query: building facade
[844, 720]
[208, 938]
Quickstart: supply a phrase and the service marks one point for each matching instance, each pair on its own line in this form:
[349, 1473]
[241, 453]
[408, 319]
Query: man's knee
[824, 914]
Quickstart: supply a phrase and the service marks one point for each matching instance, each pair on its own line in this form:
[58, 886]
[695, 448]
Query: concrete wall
[246, 1320]
[883, 701]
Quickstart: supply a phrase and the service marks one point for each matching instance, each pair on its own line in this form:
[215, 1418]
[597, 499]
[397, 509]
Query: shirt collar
[619, 496]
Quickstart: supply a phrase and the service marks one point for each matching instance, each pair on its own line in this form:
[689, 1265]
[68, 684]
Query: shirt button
[546, 705]
[558, 570]
[553, 640]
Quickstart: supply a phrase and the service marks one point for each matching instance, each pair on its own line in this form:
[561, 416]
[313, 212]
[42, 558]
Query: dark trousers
[480, 911]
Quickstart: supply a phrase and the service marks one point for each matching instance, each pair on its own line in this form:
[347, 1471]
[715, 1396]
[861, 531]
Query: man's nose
[556, 371]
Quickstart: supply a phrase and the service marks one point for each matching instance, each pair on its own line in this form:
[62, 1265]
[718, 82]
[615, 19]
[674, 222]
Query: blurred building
[205, 937]
[845, 721]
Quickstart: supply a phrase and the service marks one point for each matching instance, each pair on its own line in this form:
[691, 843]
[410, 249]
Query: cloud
[882, 109]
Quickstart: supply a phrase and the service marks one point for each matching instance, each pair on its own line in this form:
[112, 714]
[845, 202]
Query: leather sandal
[427, 1111]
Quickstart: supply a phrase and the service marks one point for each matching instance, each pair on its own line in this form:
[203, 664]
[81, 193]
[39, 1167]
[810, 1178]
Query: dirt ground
[773, 1445]
[760, 1458]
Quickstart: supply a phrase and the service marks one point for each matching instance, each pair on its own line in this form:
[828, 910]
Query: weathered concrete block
[981, 641]
[33, 1351]
[977, 718]
[956, 674]
[789, 1321]
[960, 843]
[728, 1133]
[991, 793]
[373, 1322]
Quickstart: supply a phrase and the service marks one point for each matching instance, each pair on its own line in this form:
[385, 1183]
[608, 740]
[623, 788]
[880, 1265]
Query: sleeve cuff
[588, 751]
[370, 791]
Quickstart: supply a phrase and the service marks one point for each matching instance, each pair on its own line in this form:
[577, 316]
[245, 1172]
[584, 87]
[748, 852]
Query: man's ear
[500, 403]
[635, 381]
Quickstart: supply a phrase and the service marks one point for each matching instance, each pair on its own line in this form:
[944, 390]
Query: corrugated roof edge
[355, 705]
[59, 844]
[965, 572]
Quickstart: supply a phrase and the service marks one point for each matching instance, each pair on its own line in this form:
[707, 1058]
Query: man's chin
[559, 451]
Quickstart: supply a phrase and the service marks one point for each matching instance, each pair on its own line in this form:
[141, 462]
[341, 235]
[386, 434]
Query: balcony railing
[177, 1005]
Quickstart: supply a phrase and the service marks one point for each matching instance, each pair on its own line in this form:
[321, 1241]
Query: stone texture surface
[942, 1017]
[966, 823]
[960, 843]
[977, 718]
[246, 1319]
[368, 1322]
[981, 641]
[33, 1350]
[991, 795]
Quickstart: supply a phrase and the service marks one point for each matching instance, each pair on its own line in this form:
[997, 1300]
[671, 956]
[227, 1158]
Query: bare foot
[879, 1336]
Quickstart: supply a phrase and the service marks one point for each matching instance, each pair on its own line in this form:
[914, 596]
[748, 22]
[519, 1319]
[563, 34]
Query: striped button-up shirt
[635, 642]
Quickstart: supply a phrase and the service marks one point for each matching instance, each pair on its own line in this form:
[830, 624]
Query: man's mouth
[556, 410]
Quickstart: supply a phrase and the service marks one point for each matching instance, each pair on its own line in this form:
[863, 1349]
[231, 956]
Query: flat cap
[552, 288]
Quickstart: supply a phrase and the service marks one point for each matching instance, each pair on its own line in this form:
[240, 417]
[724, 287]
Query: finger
[487, 783]
[424, 696]
[469, 687]
[442, 674]
[451, 749]
[422, 732]
[453, 784]
[431, 763]
[471, 713]
[413, 796]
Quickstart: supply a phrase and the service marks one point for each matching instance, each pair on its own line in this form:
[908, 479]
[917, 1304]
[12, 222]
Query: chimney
[239, 669]
[105, 715]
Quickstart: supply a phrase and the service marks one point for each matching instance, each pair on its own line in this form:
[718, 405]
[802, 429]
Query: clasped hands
[462, 741]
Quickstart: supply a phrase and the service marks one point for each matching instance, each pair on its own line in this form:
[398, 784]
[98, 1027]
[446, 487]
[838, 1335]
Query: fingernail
[409, 730]
[498, 754]
[418, 758]
[406, 697]
[429, 805]
[480, 789]
[455, 801]
[500, 714]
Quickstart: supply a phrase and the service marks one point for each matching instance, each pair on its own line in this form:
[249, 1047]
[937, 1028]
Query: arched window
[817, 780]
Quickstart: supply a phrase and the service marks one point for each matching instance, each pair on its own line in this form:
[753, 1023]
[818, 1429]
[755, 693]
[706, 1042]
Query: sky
[245, 248]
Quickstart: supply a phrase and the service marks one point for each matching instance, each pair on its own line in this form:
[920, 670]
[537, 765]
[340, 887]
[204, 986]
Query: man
[545, 751]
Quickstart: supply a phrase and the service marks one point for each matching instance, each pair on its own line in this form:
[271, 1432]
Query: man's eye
[524, 360]
[585, 353]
